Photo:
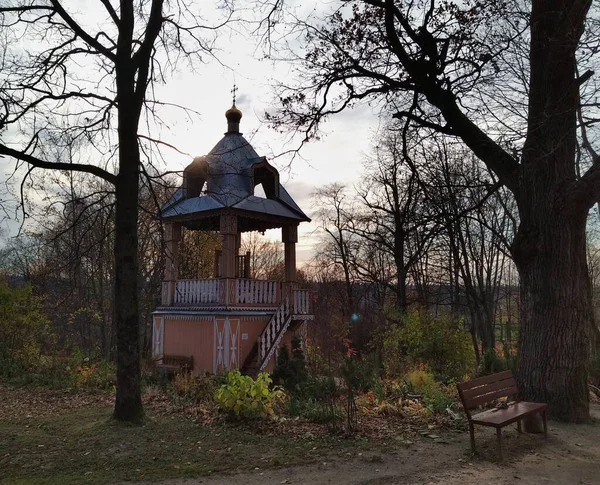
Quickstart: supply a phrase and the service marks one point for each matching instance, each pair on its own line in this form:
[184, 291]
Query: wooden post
[247, 273]
[218, 258]
[228, 223]
[229, 235]
[172, 239]
[289, 236]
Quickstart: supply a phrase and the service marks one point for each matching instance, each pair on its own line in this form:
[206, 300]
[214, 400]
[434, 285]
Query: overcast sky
[336, 157]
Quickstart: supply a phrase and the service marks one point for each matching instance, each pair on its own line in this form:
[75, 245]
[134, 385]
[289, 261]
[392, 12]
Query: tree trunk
[128, 405]
[556, 318]
[550, 246]
[401, 303]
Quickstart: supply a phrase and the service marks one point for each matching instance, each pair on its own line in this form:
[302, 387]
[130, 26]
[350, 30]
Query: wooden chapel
[229, 321]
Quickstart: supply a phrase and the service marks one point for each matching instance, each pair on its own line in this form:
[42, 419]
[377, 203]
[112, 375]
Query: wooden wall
[219, 342]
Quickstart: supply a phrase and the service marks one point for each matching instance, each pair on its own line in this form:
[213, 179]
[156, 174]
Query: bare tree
[335, 211]
[266, 256]
[393, 216]
[437, 62]
[92, 78]
[479, 225]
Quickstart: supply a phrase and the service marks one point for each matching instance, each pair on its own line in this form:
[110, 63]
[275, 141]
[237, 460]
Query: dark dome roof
[233, 114]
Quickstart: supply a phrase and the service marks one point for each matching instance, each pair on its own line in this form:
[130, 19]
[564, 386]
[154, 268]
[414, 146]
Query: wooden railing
[296, 302]
[236, 292]
[302, 301]
[255, 292]
[221, 291]
[209, 291]
[273, 333]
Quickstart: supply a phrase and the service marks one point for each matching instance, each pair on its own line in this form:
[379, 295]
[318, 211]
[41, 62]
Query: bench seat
[487, 391]
[498, 417]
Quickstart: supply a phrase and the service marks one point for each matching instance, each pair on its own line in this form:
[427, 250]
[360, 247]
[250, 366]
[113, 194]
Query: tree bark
[556, 318]
[128, 402]
[550, 246]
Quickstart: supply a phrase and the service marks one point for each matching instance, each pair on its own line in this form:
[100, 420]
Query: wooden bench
[488, 389]
[176, 363]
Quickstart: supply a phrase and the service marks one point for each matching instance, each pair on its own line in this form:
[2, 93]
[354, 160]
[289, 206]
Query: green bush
[24, 328]
[322, 412]
[435, 396]
[243, 397]
[423, 338]
[290, 370]
[491, 363]
[361, 372]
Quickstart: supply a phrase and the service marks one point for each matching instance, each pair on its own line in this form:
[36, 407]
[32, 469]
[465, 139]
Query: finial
[233, 92]
[233, 114]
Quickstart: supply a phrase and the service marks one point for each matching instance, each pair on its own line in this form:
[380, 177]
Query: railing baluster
[245, 291]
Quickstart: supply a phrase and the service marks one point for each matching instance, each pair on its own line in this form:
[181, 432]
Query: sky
[336, 157]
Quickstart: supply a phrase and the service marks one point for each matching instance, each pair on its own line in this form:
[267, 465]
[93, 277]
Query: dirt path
[571, 456]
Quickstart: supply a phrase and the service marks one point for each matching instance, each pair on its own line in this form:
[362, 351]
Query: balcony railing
[197, 292]
[302, 302]
[222, 291]
[256, 292]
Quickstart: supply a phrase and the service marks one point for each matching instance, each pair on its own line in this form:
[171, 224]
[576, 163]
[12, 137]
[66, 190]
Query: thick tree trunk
[128, 405]
[556, 320]
[549, 248]
[487, 331]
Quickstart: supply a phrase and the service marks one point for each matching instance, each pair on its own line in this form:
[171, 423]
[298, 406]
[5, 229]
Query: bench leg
[472, 433]
[499, 439]
[519, 429]
[545, 424]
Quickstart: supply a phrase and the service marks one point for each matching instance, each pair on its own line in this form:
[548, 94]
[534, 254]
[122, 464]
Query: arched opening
[266, 175]
[194, 177]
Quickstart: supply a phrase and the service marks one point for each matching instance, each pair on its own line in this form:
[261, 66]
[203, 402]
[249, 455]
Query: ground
[571, 456]
[61, 437]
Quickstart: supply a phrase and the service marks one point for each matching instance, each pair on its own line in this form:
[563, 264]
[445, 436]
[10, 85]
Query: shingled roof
[225, 180]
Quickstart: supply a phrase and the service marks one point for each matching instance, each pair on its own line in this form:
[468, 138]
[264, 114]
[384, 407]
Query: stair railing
[274, 331]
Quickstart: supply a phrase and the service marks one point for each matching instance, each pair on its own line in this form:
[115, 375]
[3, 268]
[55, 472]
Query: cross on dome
[233, 92]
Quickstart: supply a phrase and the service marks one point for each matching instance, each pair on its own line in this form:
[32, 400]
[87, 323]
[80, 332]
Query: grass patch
[85, 446]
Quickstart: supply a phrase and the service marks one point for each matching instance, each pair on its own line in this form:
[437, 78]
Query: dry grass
[53, 438]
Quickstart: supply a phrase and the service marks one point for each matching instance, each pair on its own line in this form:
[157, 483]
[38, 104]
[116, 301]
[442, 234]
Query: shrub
[243, 397]
[419, 377]
[290, 371]
[24, 329]
[194, 388]
[322, 413]
[101, 375]
[491, 363]
[421, 337]
[436, 397]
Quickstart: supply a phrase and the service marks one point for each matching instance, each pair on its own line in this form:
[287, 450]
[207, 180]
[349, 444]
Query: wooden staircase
[295, 302]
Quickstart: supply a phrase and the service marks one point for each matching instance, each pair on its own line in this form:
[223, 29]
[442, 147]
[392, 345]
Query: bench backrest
[180, 360]
[487, 389]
